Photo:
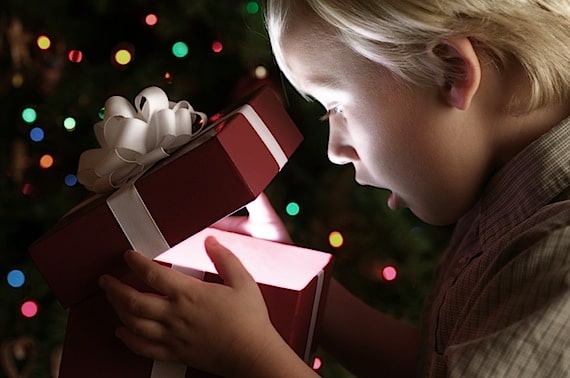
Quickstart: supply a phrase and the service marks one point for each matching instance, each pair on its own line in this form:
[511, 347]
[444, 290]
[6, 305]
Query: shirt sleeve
[519, 326]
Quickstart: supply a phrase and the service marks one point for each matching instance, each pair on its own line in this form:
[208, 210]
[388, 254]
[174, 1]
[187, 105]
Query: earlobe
[462, 71]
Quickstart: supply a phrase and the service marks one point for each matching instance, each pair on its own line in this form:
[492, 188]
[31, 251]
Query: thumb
[229, 267]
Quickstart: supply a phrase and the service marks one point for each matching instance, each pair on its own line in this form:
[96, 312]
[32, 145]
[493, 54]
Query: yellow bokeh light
[43, 42]
[336, 239]
[123, 57]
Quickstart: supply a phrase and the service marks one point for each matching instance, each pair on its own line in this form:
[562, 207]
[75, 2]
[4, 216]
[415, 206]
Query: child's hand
[262, 222]
[223, 329]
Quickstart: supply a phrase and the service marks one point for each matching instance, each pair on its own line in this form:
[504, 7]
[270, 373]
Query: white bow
[134, 138]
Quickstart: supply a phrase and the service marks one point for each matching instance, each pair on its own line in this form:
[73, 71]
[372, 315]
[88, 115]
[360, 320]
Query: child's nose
[339, 150]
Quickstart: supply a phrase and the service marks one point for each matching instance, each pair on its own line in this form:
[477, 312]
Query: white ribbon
[134, 138]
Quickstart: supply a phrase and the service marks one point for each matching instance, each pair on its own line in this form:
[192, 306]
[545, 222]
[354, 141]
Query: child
[459, 108]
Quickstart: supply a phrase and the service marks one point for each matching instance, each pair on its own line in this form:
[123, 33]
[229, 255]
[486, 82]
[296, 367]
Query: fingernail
[129, 253]
[211, 241]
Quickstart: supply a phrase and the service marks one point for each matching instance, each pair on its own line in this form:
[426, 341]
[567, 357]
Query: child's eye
[335, 110]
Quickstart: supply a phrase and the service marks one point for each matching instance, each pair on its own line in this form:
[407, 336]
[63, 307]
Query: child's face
[409, 140]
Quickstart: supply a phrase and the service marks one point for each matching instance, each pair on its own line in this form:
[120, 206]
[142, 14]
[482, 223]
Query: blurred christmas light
[180, 49]
[46, 161]
[389, 273]
[317, 363]
[101, 113]
[70, 180]
[336, 239]
[260, 72]
[151, 19]
[16, 278]
[217, 47]
[69, 123]
[43, 42]
[17, 80]
[252, 7]
[37, 134]
[29, 309]
[123, 57]
[292, 208]
[29, 115]
[75, 56]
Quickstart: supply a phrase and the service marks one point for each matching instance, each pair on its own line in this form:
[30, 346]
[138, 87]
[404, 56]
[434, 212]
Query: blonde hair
[400, 34]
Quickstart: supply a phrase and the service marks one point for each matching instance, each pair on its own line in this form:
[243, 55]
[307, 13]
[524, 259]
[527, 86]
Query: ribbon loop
[133, 138]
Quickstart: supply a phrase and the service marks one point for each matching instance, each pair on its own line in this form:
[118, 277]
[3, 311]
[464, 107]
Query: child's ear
[462, 74]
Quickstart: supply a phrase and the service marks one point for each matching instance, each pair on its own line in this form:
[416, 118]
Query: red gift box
[204, 181]
[293, 282]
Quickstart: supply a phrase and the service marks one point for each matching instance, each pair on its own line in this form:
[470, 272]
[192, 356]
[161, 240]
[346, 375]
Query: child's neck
[515, 130]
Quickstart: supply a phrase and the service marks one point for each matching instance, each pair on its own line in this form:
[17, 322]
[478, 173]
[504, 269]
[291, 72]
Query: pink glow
[29, 309]
[389, 273]
[271, 263]
[151, 19]
[317, 363]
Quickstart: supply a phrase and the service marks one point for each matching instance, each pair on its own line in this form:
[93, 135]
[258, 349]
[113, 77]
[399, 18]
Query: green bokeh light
[252, 7]
[69, 123]
[292, 209]
[29, 115]
[180, 49]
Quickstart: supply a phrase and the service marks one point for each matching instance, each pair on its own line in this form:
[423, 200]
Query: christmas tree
[60, 61]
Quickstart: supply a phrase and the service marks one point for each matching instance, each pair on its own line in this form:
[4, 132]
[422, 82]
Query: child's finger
[227, 264]
[161, 278]
[143, 346]
[126, 299]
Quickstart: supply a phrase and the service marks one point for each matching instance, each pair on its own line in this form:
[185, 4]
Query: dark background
[33, 198]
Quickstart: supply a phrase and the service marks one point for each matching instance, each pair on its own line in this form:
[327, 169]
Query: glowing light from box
[217, 47]
[75, 56]
[43, 42]
[260, 72]
[29, 115]
[151, 19]
[123, 57]
[252, 7]
[16, 278]
[46, 161]
[69, 123]
[389, 273]
[317, 363]
[29, 309]
[292, 208]
[70, 180]
[180, 49]
[37, 134]
[336, 239]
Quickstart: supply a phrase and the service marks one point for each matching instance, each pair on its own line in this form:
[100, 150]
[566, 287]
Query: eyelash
[335, 110]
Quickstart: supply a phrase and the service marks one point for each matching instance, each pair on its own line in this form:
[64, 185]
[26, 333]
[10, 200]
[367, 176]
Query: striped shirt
[500, 304]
